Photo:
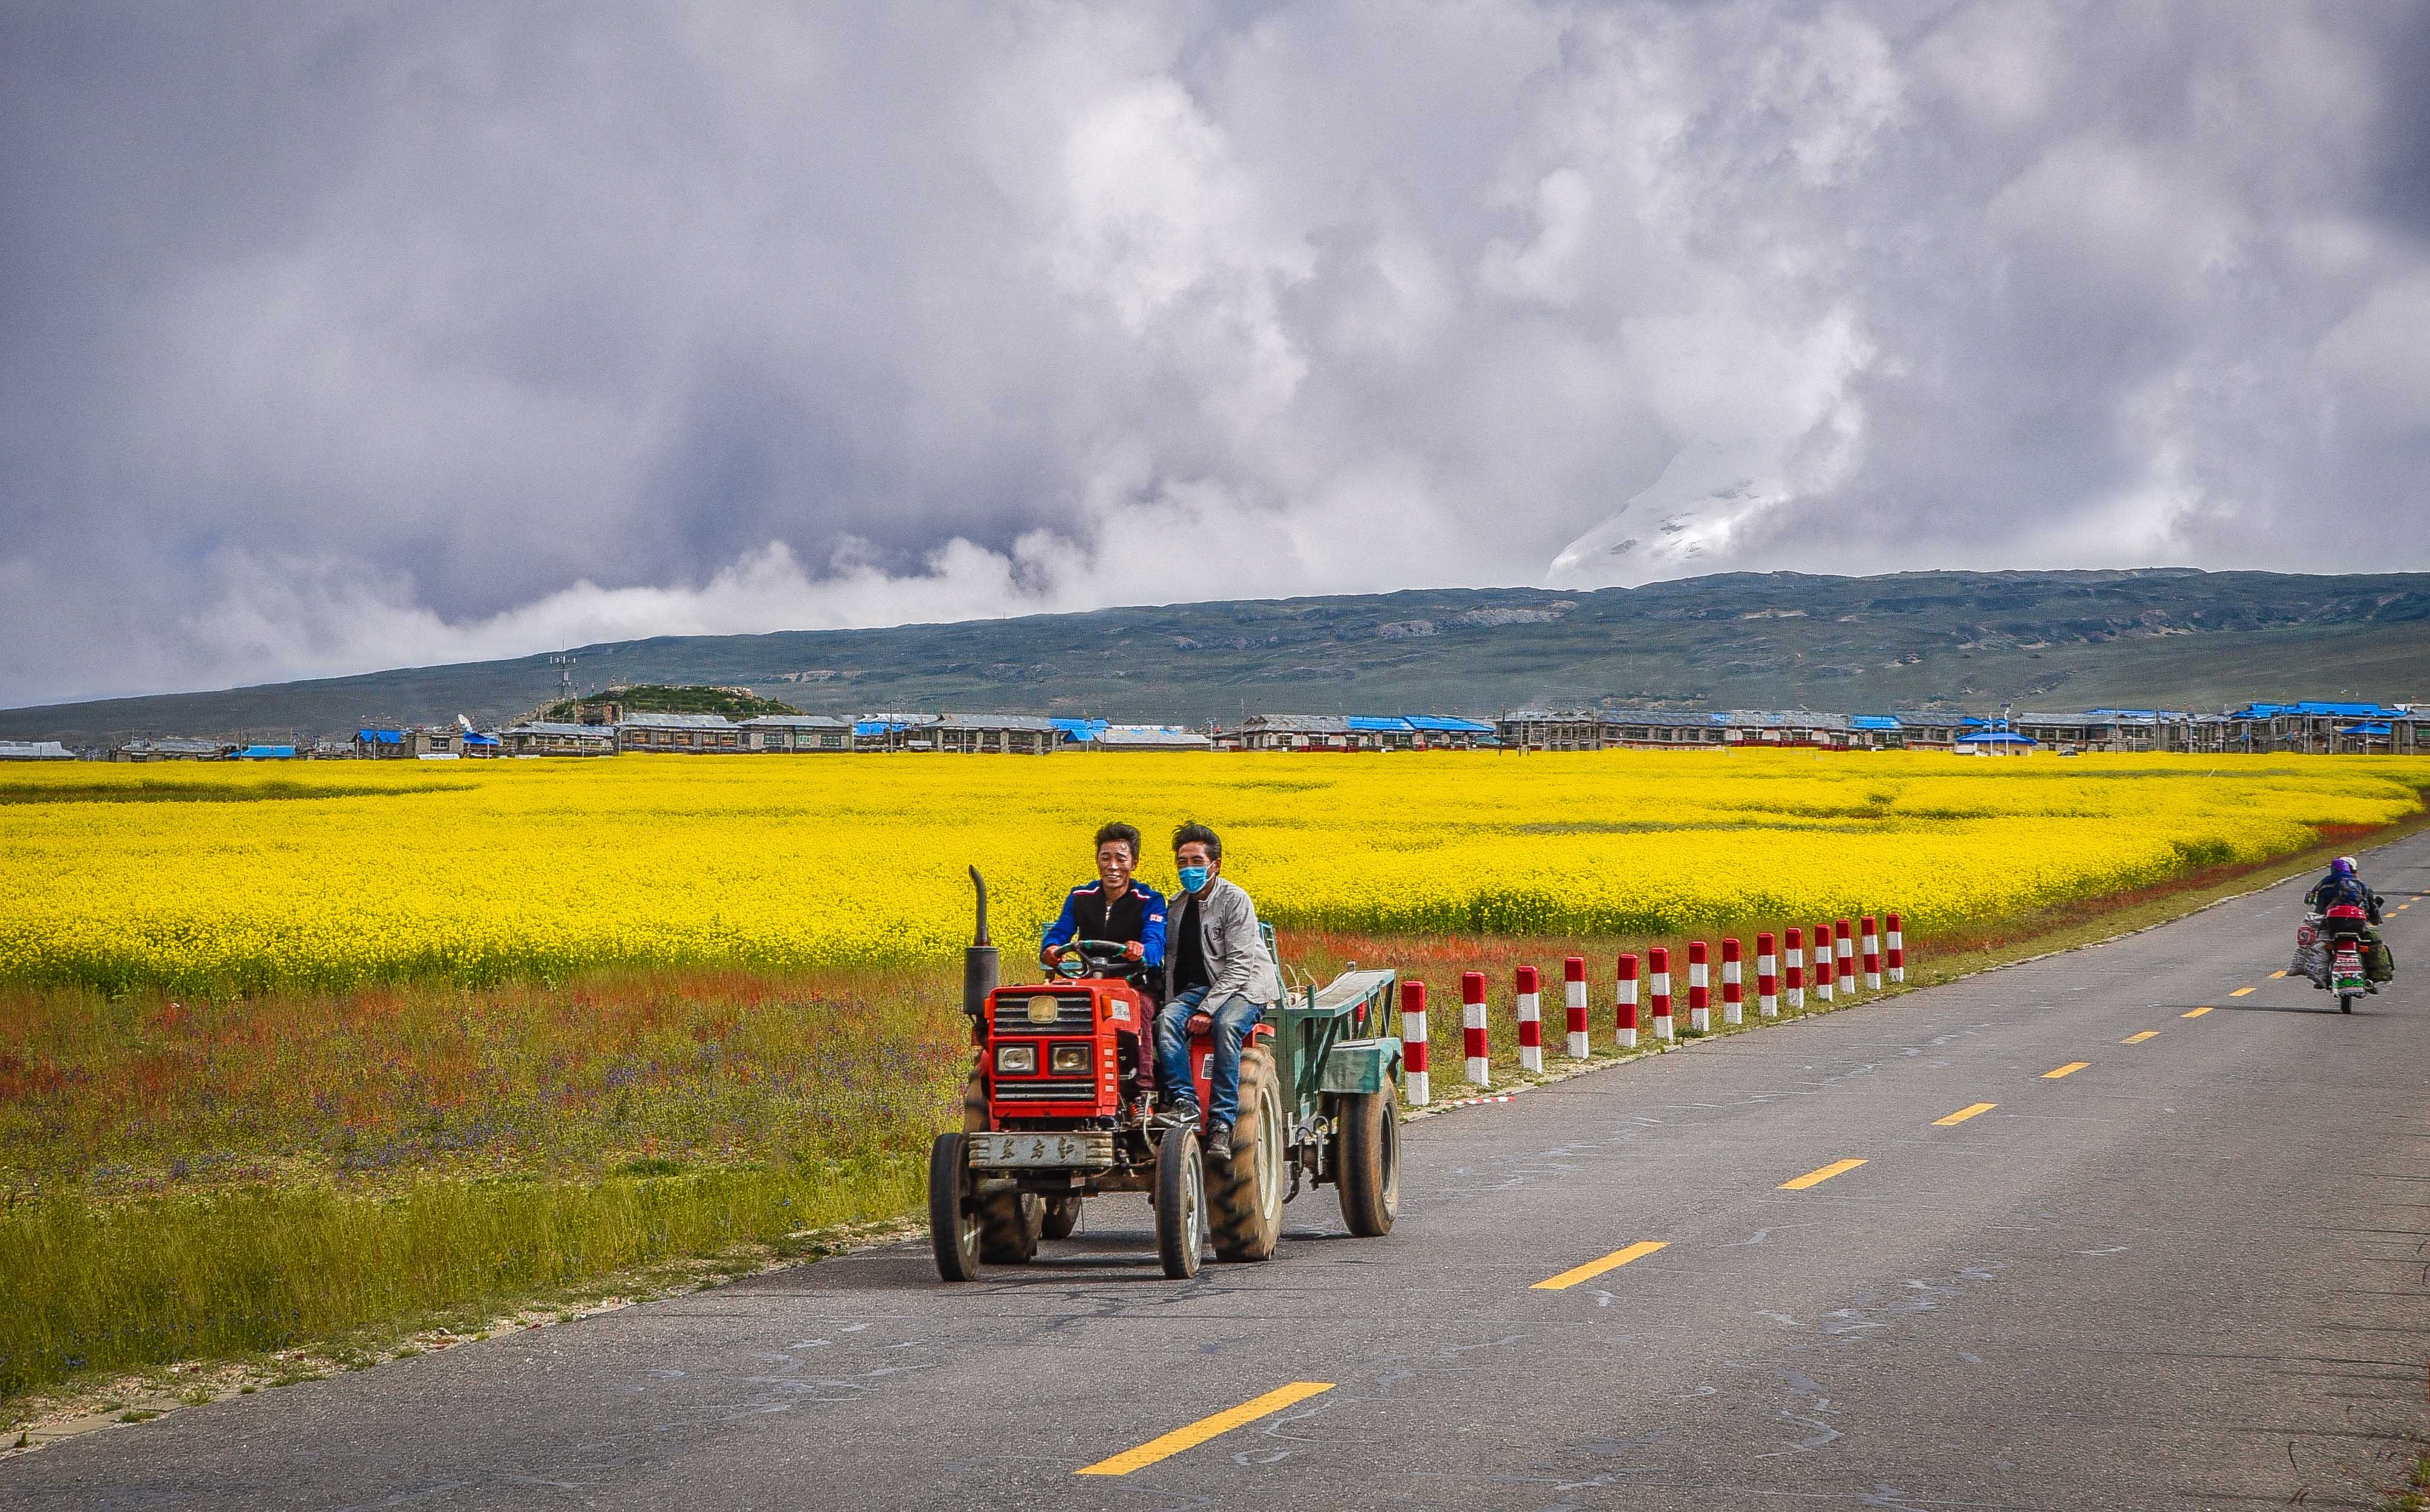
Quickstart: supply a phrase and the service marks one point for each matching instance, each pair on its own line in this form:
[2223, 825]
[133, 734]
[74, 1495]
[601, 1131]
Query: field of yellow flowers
[227, 879]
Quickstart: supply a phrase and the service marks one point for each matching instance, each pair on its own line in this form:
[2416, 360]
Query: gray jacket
[1236, 961]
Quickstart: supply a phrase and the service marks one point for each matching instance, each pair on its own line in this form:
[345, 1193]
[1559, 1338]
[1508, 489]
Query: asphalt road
[2190, 1274]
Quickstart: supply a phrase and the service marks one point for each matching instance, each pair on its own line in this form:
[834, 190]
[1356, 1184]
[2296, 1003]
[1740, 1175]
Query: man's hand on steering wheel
[1133, 953]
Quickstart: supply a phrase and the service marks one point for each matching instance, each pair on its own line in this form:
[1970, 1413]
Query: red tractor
[1058, 1108]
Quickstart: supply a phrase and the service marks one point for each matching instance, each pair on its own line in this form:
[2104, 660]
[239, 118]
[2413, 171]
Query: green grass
[101, 1286]
[185, 1179]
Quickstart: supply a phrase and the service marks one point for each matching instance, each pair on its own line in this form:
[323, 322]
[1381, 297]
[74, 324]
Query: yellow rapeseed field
[226, 878]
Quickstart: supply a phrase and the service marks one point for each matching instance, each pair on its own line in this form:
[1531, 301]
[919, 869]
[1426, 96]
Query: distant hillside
[2171, 636]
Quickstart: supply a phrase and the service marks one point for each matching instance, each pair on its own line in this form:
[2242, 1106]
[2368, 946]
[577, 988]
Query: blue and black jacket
[1138, 914]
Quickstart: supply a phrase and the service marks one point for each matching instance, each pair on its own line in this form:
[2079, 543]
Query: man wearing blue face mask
[1215, 963]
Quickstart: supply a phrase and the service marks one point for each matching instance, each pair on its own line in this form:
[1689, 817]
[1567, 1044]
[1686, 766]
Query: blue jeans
[1235, 1016]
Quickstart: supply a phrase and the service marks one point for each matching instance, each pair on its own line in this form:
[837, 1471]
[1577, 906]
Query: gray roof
[1651, 716]
[561, 730]
[1791, 719]
[1027, 724]
[35, 751]
[795, 722]
[177, 745]
[1170, 735]
[1296, 725]
[676, 721]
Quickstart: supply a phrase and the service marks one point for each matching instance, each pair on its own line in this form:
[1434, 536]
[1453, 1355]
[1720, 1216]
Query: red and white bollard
[1794, 988]
[1657, 961]
[1767, 977]
[1626, 1003]
[1573, 999]
[1531, 1021]
[1898, 951]
[1872, 953]
[1416, 1085]
[1845, 967]
[1700, 989]
[1472, 1028]
[1733, 990]
[1823, 963]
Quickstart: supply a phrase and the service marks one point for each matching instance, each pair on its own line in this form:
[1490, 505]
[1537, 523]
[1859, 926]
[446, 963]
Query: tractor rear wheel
[1244, 1198]
[952, 1218]
[975, 1105]
[1062, 1217]
[1180, 1203]
[1367, 1162]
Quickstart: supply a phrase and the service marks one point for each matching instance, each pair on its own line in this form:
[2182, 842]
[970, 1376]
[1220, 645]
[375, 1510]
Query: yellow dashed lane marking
[1588, 1271]
[2195, 1013]
[2241, 991]
[2275, 975]
[1167, 1445]
[1816, 1178]
[2068, 1070]
[2139, 1038]
[1962, 1114]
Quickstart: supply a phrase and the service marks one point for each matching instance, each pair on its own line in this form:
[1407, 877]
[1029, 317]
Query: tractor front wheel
[1180, 1203]
[953, 1217]
[1244, 1197]
[1367, 1162]
[1062, 1217]
[1010, 1221]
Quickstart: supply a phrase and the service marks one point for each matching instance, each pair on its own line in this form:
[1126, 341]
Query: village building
[1797, 727]
[553, 738]
[1445, 732]
[171, 748]
[682, 733]
[893, 732]
[1148, 738]
[35, 751]
[797, 733]
[408, 743]
[1381, 732]
[1003, 734]
[1925, 731]
[1539, 729]
[2324, 728]
[1294, 732]
[266, 753]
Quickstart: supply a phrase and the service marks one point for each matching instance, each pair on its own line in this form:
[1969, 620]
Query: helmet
[2343, 866]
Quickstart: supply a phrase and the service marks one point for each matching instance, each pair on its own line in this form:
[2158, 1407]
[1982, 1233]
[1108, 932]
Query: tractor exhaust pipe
[979, 960]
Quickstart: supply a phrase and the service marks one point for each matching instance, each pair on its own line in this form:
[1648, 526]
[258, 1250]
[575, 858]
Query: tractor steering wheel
[1082, 957]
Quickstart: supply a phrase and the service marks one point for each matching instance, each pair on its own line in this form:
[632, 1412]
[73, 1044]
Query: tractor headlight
[1069, 1060]
[1016, 1060]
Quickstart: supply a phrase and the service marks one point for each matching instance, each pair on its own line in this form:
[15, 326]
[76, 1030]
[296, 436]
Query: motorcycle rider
[2343, 886]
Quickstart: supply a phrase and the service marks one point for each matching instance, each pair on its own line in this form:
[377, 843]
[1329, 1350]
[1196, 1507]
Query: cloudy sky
[354, 335]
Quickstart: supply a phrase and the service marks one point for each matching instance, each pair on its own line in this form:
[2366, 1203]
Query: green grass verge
[96, 1287]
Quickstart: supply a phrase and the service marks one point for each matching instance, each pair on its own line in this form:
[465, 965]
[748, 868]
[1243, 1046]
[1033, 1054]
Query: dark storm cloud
[348, 335]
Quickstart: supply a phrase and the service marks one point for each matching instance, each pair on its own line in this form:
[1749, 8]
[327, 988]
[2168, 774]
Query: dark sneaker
[1219, 1142]
[1181, 1116]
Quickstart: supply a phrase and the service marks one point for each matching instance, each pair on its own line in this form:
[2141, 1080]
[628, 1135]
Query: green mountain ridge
[2166, 637]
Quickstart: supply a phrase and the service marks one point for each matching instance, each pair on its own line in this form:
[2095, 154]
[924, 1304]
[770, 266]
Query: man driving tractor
[1217, 964]
[1115, 907]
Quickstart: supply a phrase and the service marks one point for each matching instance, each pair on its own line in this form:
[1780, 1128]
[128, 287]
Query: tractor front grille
[1046, 1089]
[1075, 1013]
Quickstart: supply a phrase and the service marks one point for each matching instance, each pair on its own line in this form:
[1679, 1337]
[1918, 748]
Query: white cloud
[472, 333]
